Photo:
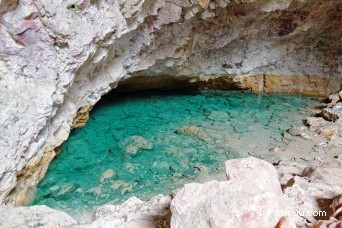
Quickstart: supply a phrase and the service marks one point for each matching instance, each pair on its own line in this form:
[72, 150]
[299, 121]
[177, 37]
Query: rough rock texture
[313, 188]
[134, 213]
[309, 85]
[248, 199]
[58, 57]
[35, 216]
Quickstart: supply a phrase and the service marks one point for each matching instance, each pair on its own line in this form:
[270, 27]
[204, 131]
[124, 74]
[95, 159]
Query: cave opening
[152, 141]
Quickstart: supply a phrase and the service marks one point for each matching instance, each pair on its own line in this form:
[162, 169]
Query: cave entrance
[149, 142]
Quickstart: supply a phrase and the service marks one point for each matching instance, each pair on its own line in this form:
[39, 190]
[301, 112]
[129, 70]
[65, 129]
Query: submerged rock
[109, 173]
[64, 191]
[131, 145]
[219, 116]
[95, 190]
[195, 131]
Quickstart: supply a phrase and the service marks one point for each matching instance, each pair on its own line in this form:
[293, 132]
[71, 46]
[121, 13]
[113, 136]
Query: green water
[145, 140]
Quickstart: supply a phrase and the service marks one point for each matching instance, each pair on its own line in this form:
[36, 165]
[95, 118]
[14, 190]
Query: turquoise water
[146, 143]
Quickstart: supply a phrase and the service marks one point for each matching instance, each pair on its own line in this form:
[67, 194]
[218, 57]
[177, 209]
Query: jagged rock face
[58, 58]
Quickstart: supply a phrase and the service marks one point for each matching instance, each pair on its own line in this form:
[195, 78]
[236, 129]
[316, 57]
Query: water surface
[146, 143]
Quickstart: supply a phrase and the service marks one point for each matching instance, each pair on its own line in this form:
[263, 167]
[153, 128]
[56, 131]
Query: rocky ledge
[251, 196]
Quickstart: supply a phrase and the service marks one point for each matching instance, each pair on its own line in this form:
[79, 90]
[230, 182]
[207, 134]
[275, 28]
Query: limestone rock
[247, 199]
[34, 216]
[316, 121]
[296, 131]
[314, 184]
[60, 56]
[131, 145]
[133, 213]
[109, 173]
[195, 131]
[328, 130]
[333, 113]
[334, 98]
[95, 190]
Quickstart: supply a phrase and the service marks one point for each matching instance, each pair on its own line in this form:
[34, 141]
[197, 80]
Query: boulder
[315, 185]
[316, 122]
[251, 197]
[133, 213]
[333, 113]
[328, 130]
[34, 216]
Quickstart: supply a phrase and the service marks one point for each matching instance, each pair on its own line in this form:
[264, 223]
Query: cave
[169, 113]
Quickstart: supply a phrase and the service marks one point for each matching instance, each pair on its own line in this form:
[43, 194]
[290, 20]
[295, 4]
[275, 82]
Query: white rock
[34, 216]
[323, 182]
[248, 199]
[133, 213]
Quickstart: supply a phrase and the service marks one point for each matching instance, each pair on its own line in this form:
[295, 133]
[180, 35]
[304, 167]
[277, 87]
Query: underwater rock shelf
[149, 142]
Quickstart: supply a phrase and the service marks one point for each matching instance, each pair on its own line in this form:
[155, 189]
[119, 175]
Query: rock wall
[57, 58]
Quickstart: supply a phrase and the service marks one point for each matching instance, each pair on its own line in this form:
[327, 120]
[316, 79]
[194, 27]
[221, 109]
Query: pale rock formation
[109, 173]
[133, 213]
[316, 122]
[315, 184]
[333, 113]
[251, 197]
[195, 131]
[131, 145]
[334, 110]
[35, 216]
[57, 58]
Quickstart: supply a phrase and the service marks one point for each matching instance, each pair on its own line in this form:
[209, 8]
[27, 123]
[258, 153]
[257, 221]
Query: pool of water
[145, 143]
